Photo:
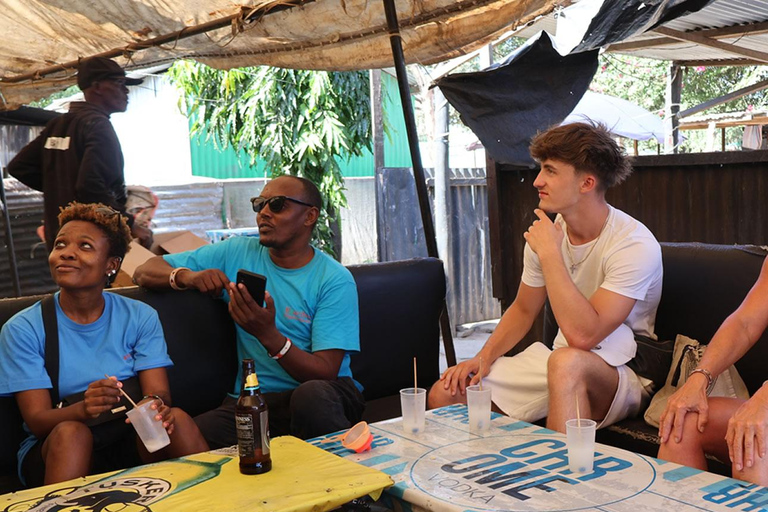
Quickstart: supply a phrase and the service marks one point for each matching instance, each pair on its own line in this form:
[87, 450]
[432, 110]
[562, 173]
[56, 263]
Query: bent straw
[124, 394]
[415, 385]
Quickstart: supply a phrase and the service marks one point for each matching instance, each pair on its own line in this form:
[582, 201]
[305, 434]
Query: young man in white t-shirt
[601, 270]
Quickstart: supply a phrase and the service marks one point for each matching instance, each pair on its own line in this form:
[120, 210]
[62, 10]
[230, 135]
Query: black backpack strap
[48, 306]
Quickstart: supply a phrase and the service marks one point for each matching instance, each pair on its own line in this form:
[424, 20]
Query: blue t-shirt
[127, 338]
[315, 305]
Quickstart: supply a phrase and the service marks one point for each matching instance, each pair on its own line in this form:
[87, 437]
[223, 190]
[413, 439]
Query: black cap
[94, 69]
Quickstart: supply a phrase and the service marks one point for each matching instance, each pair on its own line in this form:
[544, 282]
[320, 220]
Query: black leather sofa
[400, 304]
[703, 284]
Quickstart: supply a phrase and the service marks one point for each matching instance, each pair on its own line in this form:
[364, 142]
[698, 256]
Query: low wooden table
[517, 466]
[303, 478]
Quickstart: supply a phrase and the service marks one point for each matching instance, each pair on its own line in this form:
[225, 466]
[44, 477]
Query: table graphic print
[517, 467]
[303, 479]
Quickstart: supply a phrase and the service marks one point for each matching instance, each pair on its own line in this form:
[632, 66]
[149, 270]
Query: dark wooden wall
[704, 197]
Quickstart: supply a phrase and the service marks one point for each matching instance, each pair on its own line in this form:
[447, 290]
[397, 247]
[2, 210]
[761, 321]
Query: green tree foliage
[297, 122]
[643, 82]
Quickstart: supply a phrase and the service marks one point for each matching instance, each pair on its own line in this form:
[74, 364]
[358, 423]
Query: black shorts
[114, 447]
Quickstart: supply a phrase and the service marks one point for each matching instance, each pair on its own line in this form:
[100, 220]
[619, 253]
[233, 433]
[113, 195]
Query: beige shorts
[519, 387]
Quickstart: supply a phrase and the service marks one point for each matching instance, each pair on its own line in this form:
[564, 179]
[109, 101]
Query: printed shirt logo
[301, 316]
[58, 143]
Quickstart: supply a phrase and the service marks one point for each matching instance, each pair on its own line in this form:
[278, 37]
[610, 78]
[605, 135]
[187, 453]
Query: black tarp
[27, 116]
[537, 88]
[505, 106]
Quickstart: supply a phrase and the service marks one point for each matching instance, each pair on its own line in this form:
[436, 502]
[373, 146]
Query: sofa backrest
[400, 305]
[703, 284]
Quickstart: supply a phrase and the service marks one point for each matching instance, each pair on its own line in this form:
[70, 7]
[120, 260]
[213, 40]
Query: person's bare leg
[186, 439]
[694, 445]
[578, 373]
[67, 452]
[438, 396]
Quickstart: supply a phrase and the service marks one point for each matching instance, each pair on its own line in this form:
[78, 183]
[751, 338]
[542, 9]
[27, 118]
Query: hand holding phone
[256, 284]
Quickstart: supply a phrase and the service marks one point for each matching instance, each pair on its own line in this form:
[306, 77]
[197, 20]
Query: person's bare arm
[514, 324]
[260, 322]
[39, 414]
[155, 274]
[155, 382]
[585, 322]
[732, 340]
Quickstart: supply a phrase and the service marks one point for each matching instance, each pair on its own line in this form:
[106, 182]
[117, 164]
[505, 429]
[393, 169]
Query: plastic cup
[150, 430]
[479, 405]
[581, 444]
[358, 438]
[413, 402]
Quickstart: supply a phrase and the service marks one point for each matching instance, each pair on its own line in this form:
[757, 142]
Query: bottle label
[264, 421]
[250, 438]
[246, 446]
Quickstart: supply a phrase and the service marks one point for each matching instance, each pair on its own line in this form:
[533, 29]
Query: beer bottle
[252, 422]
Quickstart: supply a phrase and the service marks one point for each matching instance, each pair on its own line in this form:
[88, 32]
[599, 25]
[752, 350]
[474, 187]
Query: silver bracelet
[708, 375]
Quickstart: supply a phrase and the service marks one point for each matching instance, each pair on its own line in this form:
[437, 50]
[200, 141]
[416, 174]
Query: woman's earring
[112, 272]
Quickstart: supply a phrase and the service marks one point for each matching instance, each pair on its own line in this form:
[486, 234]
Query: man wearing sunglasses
[301, 338]
[78, 157]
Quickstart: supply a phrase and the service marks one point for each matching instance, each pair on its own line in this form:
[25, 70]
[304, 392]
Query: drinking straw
[415, 385]
[480, 371]
[578, 416]
[124, 394]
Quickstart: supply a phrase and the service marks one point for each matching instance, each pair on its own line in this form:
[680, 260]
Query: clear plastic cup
[413, 402]
[580, 439]
[479, 405]
[150, 430]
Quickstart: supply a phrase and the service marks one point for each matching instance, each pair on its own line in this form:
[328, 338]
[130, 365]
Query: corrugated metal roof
[719, 14]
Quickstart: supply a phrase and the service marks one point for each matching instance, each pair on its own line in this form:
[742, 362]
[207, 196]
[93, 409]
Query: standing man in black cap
[78, 156]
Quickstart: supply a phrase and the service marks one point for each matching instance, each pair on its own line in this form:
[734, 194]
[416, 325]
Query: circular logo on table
[522, 472]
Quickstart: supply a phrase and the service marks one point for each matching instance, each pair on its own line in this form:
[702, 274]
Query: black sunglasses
[276, 203]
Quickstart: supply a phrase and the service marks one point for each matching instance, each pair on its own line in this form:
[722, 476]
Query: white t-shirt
[626, 259]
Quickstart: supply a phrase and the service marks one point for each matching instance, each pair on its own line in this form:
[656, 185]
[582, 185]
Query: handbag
[131, 386]
[686, 357]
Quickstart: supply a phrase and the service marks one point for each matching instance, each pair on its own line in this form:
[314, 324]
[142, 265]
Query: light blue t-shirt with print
[315, 305]
[127, 338]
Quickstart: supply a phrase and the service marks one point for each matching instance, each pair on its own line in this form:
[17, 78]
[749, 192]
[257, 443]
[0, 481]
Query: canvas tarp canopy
[319, 34]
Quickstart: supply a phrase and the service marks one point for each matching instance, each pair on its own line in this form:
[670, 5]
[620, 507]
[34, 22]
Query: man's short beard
[267, 243]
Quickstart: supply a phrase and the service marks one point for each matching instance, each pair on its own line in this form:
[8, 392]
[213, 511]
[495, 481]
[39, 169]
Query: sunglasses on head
[276, 203]
[106, 210]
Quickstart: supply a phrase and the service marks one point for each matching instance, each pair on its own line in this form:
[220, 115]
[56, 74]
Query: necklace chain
[574, 264]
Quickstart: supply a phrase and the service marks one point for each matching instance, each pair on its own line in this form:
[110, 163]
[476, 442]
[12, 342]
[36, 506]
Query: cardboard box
[164, 243]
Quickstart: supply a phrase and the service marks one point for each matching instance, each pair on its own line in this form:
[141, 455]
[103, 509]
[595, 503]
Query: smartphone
[256, 284]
